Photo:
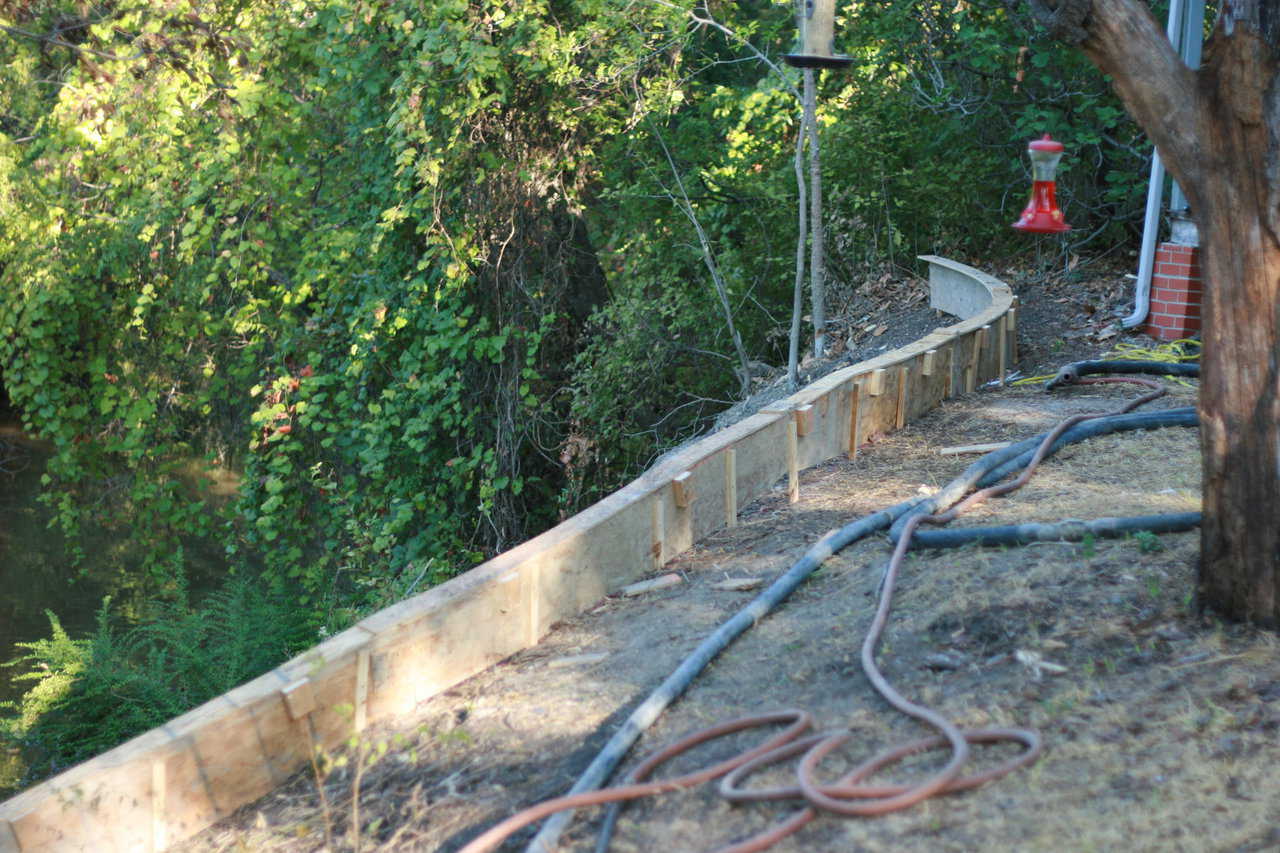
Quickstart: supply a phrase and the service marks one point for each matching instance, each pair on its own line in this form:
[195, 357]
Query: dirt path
[1161, 730]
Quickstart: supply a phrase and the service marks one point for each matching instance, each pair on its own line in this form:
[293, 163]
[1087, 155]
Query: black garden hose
[1071, 530]
[998, 464]
[1070, 373]
[988, 470]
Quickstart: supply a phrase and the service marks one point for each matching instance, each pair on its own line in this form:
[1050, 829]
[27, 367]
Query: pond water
[37, 575]
[33, 563]
[35, 570]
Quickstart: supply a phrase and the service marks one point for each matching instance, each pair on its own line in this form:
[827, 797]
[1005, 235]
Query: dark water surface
[36, 574]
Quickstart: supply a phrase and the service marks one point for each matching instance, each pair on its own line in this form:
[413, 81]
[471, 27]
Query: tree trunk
[817, 242]
[1217, 130]
[1240, 415]
[1236, 192]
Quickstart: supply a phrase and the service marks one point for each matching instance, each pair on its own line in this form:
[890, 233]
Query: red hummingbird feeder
[1042, 215]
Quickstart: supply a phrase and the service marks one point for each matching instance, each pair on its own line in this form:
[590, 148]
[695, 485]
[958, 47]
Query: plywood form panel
[926, 392]
[330, 669]
[421, 650]
[827, 434]
[761, 460]
[879, 411]
[102, 804]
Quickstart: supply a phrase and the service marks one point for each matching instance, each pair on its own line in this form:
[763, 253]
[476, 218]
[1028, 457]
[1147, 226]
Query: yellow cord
[1183, 349]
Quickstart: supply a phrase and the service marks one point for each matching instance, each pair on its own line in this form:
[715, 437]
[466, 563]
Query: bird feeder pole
[817, 21]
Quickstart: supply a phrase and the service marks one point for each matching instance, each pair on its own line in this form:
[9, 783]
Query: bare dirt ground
[1160, 722]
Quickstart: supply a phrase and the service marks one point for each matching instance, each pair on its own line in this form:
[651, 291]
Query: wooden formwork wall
[176, 780]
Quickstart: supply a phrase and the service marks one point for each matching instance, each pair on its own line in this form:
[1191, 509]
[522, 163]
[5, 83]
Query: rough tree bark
[1218, 131]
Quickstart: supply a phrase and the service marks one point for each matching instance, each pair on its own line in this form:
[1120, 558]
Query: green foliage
[87, 695]
[336, 245]
[641, 385]
[422, 273]
[1148, 542]
[351, 248]
[968, 85]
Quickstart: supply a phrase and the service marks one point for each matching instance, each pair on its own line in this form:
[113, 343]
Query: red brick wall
[1175, 292]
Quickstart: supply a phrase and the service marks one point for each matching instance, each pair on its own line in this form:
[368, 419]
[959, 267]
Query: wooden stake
[1014, 305]
[1000, 347]
[793, 460]
[730, 488]
[363, 662]
[875, 382]
[951, 370]
[641, 587]
[159, 834]
[657, 530]
[803, 417]
[927, 366]
[973, 448]
[979, 338]
[855, 421]
[299, 698]
[904, 373]
[682, 489]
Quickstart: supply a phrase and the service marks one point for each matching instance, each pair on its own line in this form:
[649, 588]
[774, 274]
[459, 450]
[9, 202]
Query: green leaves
[351, 249]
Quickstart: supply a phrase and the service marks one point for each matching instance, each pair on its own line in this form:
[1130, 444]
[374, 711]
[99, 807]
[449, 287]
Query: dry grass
[1161, 733]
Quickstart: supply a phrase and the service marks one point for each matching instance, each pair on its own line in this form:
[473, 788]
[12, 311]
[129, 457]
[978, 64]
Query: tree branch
[709, 258]
[1064, 19]
[58, 41]
[708, 21]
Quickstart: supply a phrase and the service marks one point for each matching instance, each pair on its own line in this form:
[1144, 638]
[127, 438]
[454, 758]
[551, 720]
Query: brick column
[1175, 292]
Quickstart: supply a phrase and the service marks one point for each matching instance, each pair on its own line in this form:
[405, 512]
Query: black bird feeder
[817, 38]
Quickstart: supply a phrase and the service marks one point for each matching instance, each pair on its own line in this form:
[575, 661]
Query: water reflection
[33, 564]
[35, 569]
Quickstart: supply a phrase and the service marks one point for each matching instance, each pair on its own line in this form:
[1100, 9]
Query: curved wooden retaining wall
[176, 780]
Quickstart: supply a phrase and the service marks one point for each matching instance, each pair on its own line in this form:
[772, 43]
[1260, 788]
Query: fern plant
[88, 695]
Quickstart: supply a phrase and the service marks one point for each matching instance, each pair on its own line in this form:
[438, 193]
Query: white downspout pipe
[1147, 254]
[1155, 195]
